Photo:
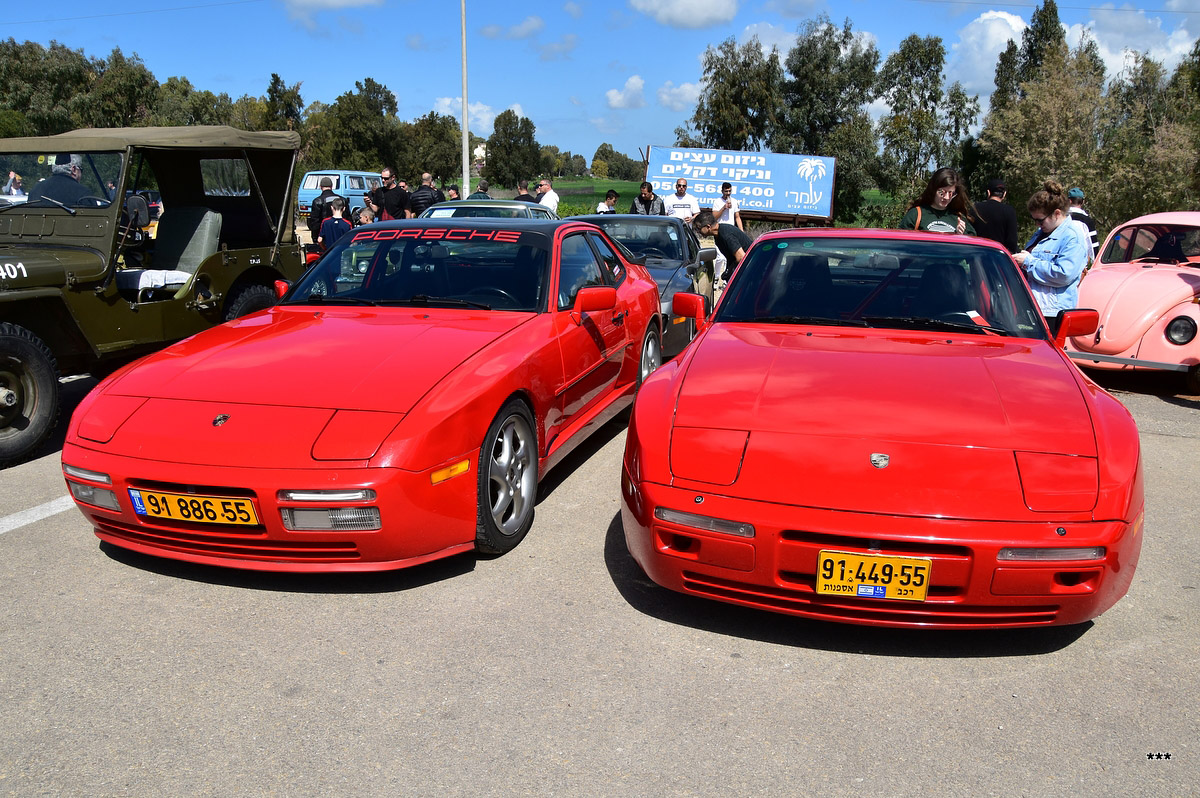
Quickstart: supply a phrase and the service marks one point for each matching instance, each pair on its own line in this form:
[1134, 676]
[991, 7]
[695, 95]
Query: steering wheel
[653, 251]
[497, 291]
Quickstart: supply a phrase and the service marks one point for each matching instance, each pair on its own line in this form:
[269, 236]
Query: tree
[924, 127]
[1008, 85]
[14, 123]
[363, 129]
[740, 96]
[43, 84]
[831, 76]
[284, 106]
[578, 165]
[179, 103]
[513, 152]
[121, 95]
[600, 168]
[1044, 36]
[436, 141]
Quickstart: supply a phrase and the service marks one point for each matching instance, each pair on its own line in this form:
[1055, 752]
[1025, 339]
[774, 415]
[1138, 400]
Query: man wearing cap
[1075, 196]
[63, 184]
[997, 220]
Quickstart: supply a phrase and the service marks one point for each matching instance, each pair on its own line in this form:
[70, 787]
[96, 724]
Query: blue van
[351, 185]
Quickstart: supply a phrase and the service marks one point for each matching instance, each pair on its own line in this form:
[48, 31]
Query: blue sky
[626, 72]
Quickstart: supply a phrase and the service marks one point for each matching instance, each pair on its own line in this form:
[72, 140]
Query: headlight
[1181, 330]
[325, 519]
[90, 494]
[1053, 555]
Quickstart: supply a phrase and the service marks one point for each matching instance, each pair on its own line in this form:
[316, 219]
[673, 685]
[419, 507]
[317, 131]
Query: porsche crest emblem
[880, 460]
[221, 419]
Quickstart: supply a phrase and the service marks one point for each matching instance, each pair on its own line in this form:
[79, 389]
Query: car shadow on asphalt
[1167, 385]
[581, 454]
[770, 627]
[360, 582]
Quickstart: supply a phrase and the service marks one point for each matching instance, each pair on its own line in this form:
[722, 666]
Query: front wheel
[508, 480]
[651, 355]
[248, 299]
[28, 392]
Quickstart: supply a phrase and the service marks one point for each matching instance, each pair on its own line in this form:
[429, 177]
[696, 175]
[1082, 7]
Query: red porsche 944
[877, 427]
[399, 404]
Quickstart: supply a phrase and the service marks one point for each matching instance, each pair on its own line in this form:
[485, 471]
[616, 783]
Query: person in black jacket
[997, 220]
[424, 196]
[321, 209]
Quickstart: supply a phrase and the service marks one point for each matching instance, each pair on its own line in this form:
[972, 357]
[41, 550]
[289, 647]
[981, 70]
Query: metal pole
[466, 133]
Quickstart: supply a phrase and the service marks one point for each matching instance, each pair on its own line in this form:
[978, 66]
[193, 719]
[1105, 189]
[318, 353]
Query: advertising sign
[763, 182]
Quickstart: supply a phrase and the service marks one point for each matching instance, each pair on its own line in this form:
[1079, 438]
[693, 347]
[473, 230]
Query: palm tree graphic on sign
[811, 169]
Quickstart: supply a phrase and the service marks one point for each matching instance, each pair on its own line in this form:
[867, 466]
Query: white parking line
[10, 522]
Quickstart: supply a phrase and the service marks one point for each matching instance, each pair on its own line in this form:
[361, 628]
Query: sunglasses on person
[948, 193]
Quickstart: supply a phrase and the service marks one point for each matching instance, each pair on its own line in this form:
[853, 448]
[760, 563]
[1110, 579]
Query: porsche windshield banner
[763, 182]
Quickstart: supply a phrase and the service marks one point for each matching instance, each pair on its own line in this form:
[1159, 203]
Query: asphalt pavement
[559, 669]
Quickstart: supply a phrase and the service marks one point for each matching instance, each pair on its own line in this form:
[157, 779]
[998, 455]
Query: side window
[354, 183]
[1143, 242]
[612, 264]
[1116, 247]
[577, 268]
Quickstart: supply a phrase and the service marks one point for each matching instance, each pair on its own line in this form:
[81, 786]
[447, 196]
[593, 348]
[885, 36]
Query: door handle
[620, 317]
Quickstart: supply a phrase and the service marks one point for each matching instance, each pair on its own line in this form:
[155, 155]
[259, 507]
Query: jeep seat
[186, 238]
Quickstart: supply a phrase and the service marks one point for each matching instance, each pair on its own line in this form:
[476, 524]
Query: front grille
[221, 544]
[180, 487]
[804, 602]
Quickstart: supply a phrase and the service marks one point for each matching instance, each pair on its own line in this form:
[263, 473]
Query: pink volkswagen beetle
[1146, 286]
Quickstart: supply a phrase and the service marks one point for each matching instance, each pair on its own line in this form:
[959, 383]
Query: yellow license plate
[193, 507]
[844, 573]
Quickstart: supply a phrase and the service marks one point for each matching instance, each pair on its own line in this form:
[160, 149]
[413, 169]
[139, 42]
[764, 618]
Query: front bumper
[420, 521]
[969, 588]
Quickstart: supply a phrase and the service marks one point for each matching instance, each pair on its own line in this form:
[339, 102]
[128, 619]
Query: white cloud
[770, 36]
[416, 41]
[679, 98]
[1118, 30]
[528, 27]
[690, 14]
[480, 116]
[302, 11]
[629, 97]
[574, 10]
[973, 57]
[559, 50]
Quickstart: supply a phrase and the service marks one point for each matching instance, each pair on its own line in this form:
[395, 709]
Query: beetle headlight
[1181, 330]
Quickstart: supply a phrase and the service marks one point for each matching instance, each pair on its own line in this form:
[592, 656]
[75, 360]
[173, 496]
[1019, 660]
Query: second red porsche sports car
[398, 405]
[876, 427]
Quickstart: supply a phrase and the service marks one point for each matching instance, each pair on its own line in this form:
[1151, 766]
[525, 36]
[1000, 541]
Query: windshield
[376, 267]
[654, 240]
[71, 179]
[460, 211]
[874, 282]
[1163, 243]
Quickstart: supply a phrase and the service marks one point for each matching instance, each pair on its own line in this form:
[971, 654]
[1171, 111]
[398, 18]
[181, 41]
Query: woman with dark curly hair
[943, 206]
[1054, 258]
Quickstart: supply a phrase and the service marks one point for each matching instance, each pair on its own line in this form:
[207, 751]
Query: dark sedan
[673, 256]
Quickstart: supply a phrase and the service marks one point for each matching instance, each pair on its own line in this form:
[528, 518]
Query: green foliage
[14, 123]
[831, 76]
[513, 152]
[121, 95]
[620, 166]
[284, 106]
[599, 168]
[44, 84]
[1039, 40]
[436, 146]
[1008, 84]
[741, 94]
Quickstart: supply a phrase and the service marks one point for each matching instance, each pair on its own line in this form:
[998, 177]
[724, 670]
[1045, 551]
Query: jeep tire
[28, 392]
[248, 299]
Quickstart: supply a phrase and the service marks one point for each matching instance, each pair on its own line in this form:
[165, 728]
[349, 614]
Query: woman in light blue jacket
[1054, 258]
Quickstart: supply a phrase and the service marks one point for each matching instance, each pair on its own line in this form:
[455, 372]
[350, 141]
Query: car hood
[367, 359]
[1130, 298]
[812, 406]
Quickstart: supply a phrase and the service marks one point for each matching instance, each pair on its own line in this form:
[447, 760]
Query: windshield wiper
[926, 323]
[322, 299]
[821, 320]
[426, 299]
[62, 205]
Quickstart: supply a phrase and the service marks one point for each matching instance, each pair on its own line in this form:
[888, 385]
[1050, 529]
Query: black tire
[508, 484]
[1191, 380]
[28, 392]
[248, 299]
[651, 356]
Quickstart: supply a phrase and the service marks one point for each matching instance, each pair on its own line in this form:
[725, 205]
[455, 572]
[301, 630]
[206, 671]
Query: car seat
[807, 289]
[941, 290]
[186, 237]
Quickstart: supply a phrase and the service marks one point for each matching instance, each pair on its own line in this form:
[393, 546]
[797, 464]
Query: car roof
[184, 137]
[1168, 217]
[628, 217]
[482, 203]
[880, 234]
[546, 227]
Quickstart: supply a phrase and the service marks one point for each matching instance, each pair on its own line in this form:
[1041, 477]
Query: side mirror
[595, 298]
[1078, 321]
[691, 306]
[281, 288]
[707, 255]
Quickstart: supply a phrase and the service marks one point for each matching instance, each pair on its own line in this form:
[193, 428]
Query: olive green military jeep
[87, 283]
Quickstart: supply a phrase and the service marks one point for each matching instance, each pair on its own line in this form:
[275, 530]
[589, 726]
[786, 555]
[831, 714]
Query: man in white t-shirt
[726, 209]
[547, 195]
[610, 202]
[681, 203]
